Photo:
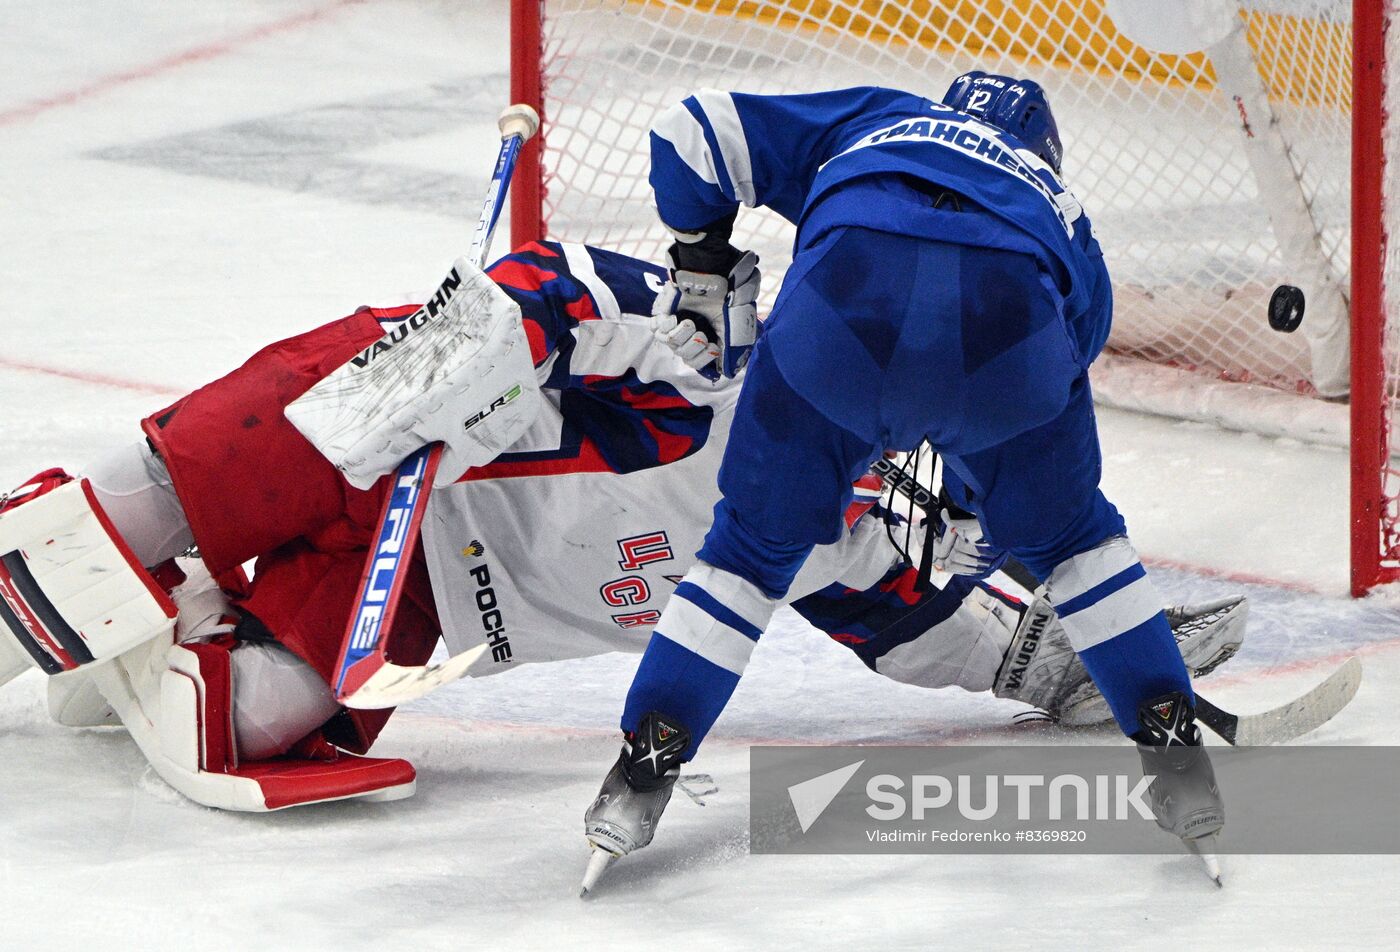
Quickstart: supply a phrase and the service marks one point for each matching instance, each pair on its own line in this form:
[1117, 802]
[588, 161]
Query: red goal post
[1213, 176]
[1375, 377]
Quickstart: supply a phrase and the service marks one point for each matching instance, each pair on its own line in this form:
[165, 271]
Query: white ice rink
[182, 183]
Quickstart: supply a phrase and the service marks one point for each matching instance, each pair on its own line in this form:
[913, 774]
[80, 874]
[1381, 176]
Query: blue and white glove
[709, 319]
[957, 546]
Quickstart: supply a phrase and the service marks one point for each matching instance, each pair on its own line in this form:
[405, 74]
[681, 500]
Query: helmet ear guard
[1017, 106]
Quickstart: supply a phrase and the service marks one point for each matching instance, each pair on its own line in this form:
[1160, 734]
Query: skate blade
[598, 862]
[1204, 848]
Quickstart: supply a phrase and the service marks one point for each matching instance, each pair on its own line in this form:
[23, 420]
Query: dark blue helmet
[1017, 106]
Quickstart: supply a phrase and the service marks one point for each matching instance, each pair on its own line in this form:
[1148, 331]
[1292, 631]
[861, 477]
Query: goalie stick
[1277, 726]
[365, 677]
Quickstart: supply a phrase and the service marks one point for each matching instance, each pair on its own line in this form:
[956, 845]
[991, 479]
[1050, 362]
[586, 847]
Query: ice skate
[634, 794]
[1185, 797]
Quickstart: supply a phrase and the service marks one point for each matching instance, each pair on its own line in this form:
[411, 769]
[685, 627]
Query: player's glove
[709, 318]
[956, 545]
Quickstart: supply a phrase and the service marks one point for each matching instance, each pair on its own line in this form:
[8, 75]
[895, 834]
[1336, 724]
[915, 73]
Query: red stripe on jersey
[640, 399]
[582, 309]
[534, 333]
[669, 446]
[903, 586]
[856, 509]
[523, 275]
[654, 400]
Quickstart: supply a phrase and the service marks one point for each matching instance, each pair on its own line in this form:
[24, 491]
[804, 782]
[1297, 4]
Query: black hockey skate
[1185, 797]
[636, 790]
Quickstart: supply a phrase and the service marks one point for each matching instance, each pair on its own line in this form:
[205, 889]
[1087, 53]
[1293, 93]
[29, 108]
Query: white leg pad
[13, 660]
[71, 592]
[75, 701]
[180, 734]
[174, 700]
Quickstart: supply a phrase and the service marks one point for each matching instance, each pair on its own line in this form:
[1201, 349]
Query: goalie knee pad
[1043, 670]
[274, 698]
[71, 591]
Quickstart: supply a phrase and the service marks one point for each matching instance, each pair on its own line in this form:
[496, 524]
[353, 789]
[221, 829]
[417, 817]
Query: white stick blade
[395, 684]
[1305, 714]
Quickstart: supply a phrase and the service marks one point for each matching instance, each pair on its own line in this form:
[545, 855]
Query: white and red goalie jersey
[569, 544]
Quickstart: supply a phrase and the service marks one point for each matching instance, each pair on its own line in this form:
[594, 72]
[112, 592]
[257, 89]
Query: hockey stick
[365, 677]
[1287, 721]
[1278, 726]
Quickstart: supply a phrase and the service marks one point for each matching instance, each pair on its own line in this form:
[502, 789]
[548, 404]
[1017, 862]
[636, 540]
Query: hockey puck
[1286, 308]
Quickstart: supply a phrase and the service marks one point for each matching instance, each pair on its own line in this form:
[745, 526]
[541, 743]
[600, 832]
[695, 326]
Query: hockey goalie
[567, 544]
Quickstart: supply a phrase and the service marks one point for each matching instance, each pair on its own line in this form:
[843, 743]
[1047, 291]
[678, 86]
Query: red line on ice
[83, 376]
[1298, 666]
[1244, 578]
[195, 54]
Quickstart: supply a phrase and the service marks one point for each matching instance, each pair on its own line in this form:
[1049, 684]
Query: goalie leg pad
[1207, 635]
[75, 701]
[196, 704]
[177, 703]
[71, 591]
[14, 660]
[1042, 669]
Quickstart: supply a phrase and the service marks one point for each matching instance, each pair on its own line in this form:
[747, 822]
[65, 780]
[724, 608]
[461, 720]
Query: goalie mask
[1017, 106]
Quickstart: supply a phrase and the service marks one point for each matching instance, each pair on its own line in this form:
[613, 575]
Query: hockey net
[1211, 177]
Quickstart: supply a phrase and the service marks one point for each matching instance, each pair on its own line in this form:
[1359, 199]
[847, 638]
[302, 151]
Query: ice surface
[183, 211]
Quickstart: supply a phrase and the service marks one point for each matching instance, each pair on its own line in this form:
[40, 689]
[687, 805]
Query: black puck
[1286, 308]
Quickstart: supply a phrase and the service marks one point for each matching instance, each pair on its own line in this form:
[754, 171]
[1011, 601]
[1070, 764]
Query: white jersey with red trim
[570, 544]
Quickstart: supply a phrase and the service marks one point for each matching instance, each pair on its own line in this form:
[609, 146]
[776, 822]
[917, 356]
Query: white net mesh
[1152, 147]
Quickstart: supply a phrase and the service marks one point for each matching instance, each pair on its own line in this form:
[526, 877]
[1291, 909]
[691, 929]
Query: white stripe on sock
[695, 629]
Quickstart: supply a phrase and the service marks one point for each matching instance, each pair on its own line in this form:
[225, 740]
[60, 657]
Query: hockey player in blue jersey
[946, 286]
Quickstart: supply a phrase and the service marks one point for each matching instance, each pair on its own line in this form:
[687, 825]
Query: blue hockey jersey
[793, 154]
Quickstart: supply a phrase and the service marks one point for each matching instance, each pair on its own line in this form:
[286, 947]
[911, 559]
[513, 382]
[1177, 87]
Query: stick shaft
[495, 199]
[364, 647]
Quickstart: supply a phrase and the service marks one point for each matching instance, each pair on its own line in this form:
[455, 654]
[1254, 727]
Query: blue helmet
[1017, 106]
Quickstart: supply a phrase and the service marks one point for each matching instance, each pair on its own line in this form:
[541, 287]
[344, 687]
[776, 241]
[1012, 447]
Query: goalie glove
[709, 318]
[955, 544]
